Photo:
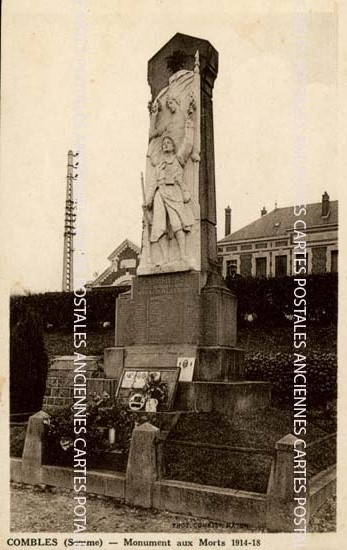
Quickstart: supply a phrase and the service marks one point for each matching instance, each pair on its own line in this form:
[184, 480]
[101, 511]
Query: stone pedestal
[142, 466]
[281, 498]
[174, 309]
[33, 449]
[170, 316]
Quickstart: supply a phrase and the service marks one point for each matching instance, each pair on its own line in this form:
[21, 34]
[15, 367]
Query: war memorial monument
[179, 306]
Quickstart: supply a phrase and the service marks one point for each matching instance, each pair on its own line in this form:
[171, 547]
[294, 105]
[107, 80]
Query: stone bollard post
[33, 449]
[142, 468]
[280, 493]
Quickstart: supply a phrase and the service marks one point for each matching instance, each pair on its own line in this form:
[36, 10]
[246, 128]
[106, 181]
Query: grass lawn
[239, 470]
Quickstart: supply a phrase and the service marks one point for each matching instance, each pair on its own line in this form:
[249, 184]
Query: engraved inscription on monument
[156, 285]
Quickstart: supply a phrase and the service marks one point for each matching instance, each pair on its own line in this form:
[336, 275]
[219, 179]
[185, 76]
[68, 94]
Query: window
[334, 261]
[246, 265]
[280, 266]
[129, 262]
[260, 267]
[319, 259]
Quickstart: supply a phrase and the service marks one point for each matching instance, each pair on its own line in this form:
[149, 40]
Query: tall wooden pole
[69, 225]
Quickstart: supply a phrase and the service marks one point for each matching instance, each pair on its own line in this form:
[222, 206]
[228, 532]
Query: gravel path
[34, 509]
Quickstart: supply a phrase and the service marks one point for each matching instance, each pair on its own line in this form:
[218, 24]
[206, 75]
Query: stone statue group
[168, 207]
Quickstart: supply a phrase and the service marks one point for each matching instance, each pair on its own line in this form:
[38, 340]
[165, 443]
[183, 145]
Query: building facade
[264, 248]
[123, 265]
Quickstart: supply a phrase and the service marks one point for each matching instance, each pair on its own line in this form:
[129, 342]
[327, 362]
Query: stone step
[225, 397]
[213, 363]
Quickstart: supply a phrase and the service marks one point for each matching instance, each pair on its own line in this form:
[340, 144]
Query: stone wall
[60, 381]
[142, 485]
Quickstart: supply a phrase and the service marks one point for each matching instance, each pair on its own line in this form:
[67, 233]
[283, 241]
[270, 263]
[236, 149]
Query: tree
[28, 364]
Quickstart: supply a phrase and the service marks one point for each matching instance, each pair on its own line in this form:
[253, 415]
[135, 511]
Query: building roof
[112, 277]
[125, 244]
[115, 279]
[281, 220]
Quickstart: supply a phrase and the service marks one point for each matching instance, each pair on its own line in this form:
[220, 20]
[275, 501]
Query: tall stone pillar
[179, 54]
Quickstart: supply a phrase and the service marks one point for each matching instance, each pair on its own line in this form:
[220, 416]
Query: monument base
[167, 317]
[228, 398]
[218, 381]
[212, 363]
[176, 309]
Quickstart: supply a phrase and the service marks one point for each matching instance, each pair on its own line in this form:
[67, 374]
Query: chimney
[263, 211]
[325, 204]
[227, 220]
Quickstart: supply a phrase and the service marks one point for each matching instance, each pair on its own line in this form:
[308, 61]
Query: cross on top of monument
[181, 49]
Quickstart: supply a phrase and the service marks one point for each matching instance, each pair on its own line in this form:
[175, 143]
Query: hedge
[270, 301]
[56, 309]
[278, 368]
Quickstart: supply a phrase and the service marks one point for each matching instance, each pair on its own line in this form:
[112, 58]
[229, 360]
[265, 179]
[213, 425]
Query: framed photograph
[139, 386]
[186, 365]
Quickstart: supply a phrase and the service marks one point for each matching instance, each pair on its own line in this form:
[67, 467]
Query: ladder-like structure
[69, 224]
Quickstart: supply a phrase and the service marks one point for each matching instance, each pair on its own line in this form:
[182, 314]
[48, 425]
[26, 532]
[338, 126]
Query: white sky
[75, 76]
